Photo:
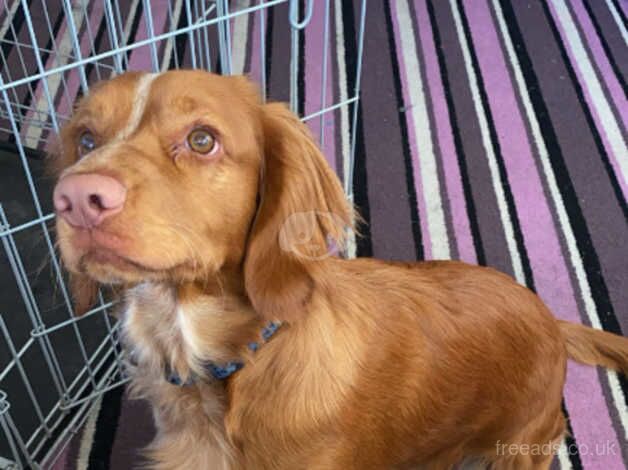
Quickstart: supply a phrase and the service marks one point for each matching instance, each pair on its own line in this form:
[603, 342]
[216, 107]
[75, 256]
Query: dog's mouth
[108, 257]
[104, 256]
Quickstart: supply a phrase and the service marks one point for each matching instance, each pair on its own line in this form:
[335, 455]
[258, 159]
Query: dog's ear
[302, 213]
[83, 291]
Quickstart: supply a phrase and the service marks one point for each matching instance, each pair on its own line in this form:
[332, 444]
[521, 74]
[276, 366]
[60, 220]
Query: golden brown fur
[377, 365]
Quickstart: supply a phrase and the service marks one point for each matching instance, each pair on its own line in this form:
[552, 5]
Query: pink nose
[86, 200]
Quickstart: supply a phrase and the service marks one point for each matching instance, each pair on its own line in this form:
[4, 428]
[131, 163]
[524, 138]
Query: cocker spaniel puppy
[214, 212]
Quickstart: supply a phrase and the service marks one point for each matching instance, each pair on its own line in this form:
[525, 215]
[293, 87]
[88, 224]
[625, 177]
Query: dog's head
[180, 176]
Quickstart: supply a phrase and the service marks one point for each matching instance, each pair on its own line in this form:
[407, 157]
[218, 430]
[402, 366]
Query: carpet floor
[491, 131]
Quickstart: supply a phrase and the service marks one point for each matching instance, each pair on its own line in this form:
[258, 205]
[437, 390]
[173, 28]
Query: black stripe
[17, 21]
[34, 154]
[250, 18]
[403, 126]
[503, 175]
[606, 47]
[270, 22]
[590, 260]
[134, 27]
[136, 17]
[301, 67]
[364, 245]
[7, 46]
[28, 99]
[620, 12]
[106, 427]
[180, 41]
[217, 64]
[587, 112]
[570, 442]
[97, 43]
[453, 122]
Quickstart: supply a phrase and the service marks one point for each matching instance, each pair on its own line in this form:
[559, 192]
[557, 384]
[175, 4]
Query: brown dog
[214, 212]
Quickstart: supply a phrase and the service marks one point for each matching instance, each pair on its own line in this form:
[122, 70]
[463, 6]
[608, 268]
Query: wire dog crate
[53, 365]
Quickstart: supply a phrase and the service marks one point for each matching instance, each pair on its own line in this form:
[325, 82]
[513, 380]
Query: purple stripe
[390, 223]
[444, 134]
[314, 44]
[64, 107]
[540, 234]
[62, 461]
[141, 57]
[39, 90]
[414, 147]
[606, 71]
[590, 180]
[587, 96]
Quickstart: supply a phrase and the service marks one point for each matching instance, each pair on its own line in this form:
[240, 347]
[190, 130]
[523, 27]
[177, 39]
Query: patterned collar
[222, 371]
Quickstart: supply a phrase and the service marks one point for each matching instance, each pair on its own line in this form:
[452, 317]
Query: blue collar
[222, 371]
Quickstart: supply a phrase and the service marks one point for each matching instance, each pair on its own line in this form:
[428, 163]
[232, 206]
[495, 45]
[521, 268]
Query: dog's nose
[88, 199]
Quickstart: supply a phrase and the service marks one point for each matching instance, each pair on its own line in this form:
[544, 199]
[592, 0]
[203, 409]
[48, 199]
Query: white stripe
[617, 18]
[563, 219]
[488, 147]
[427, 160]
[240, 33]
[615, 139]
[563, 456]
[87, 439]
[344, 110]
[65, 50]
[129, 21]
[176, 12]
[142, 91]
[9, 19]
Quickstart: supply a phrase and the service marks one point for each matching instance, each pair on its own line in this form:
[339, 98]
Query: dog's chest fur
[161, 328]
[159, 334]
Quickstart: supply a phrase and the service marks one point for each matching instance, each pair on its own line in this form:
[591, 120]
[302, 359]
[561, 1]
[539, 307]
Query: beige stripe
[426, 161]
[87, 439]
[345, 136]
[176, 12]
[240, 32]
[142, 91]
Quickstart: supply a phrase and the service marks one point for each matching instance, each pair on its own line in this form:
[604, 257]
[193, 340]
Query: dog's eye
[202, 141]
[86, 143]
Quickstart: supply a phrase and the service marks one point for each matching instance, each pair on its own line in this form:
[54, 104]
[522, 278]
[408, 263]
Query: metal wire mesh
[53, 364]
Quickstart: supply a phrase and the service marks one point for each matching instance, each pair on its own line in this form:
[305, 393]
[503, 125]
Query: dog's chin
[107, 267]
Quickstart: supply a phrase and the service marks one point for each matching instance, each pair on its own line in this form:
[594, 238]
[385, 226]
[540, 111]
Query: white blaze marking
[142, 91]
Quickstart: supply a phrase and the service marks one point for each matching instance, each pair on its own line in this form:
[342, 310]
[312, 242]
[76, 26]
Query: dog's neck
[184, 327]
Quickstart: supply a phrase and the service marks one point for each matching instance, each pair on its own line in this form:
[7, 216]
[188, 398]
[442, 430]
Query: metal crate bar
[48, 61]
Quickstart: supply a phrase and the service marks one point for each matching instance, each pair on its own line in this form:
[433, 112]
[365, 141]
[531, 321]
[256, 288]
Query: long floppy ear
[302, 211]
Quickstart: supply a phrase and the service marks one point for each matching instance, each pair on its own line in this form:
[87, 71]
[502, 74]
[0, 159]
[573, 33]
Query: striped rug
[491, 131]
